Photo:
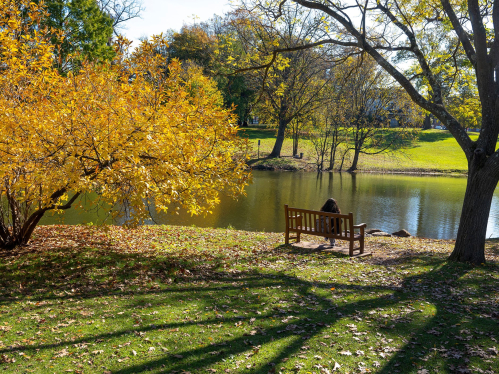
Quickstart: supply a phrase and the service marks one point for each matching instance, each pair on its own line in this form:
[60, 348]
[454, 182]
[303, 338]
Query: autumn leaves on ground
[172, 299]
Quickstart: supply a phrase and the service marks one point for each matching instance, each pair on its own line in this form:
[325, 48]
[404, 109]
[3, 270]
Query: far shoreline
[415, 172]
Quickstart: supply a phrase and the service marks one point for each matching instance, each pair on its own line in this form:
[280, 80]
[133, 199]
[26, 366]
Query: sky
[161, 15]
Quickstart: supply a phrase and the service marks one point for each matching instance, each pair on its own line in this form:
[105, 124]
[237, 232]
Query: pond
[426, 206]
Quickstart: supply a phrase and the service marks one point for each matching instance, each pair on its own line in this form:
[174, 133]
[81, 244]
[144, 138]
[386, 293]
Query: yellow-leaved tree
[134, 130]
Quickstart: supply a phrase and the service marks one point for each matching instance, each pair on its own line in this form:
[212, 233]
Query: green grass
[175, 300]
[432, 151]
[435, 150]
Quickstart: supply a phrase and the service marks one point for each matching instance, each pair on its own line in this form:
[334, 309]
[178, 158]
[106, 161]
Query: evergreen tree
[85, 27]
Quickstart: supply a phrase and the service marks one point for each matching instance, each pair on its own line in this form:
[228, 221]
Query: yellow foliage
[134, 130]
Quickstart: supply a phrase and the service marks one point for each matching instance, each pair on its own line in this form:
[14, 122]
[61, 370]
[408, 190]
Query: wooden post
[298, 223]
[350, 225]
[286, 236]
[351, 233]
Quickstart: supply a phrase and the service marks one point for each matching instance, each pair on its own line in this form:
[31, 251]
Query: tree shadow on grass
[430, 137]
[303, 310]
[307, 326]
[253, 133]
[400, 142]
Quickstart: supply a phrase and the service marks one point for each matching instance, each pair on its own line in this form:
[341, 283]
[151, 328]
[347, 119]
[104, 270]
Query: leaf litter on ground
[172, 299]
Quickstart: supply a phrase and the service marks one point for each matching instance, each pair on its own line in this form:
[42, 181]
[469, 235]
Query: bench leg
[286, 237]
[361, 244]
[350, 252]
[298, 237]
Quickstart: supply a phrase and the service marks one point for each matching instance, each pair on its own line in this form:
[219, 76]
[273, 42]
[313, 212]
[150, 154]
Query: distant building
[254, 120]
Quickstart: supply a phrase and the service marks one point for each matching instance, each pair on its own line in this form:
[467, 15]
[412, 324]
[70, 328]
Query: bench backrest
[331, 225]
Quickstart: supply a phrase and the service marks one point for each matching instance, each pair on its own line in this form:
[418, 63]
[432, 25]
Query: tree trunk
[276, 151]
[22, 236]
[471, 235]
[427, 122]
[332, 156]
[320, 166]
[295, 142]
[343, 159]
[355, 160]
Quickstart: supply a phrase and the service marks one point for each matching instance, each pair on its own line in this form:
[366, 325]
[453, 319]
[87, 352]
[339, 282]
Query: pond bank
[286, 163]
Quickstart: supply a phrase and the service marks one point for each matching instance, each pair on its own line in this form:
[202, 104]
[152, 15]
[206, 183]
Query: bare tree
[320, 137]
[336, 134]
[326, 128]
[121, 11]
[296, 128]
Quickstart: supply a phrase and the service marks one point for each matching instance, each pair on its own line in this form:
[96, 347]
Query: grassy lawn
[168, 299]
[433, 151]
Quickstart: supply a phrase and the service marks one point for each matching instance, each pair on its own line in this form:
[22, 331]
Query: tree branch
[275, 52]
[461, 33]
[435, 86]
[479, 33]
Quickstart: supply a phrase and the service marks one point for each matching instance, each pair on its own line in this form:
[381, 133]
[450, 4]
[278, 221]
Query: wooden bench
[327, 225]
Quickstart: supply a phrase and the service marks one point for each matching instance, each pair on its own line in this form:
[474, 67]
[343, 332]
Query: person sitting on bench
[331, 206]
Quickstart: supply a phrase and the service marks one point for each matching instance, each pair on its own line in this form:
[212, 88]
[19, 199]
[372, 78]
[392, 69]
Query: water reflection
[425, 206]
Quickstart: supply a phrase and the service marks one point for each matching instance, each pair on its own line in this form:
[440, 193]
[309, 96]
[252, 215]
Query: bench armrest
[362, 226]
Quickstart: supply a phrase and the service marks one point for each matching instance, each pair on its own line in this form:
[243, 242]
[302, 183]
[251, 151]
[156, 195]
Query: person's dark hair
[331, 206]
